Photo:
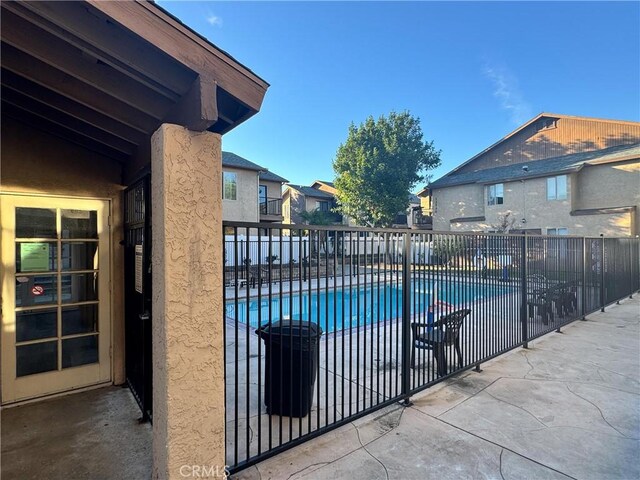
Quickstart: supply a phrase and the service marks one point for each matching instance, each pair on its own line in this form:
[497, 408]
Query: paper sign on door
[34, 257]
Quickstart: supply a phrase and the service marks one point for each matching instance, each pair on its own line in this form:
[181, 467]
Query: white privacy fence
[285, 248]
[257, 249]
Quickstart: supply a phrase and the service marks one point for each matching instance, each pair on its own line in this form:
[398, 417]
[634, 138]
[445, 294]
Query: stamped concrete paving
[568, 407]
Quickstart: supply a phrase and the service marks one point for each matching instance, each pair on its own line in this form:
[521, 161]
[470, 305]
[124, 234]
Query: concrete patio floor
[90, 435]
[568, 407]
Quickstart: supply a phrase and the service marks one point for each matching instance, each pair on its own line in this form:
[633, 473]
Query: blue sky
[472, 72]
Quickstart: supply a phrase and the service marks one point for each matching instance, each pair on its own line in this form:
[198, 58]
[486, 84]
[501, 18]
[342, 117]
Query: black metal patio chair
[541, 301]
[438, 336]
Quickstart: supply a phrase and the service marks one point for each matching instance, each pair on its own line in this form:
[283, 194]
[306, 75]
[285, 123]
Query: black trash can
[291, 366]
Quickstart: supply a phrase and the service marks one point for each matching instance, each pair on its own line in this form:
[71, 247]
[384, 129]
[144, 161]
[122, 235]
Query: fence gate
[137, 224]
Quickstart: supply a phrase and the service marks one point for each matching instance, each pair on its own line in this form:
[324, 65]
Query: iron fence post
[406, 319]
[523, 288]
[584, 278]
[602, 276]
[631, 268]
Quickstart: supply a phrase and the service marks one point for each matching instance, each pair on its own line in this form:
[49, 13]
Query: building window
[495, 194]
[323, 206]
[229, 185]
[557, 188]
[558, 231]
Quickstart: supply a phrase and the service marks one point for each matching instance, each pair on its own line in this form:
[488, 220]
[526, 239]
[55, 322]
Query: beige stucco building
[250, 193]
[320, 196]
[554, 175]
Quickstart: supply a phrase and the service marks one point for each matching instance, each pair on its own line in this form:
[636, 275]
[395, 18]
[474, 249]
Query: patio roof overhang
[106, 75]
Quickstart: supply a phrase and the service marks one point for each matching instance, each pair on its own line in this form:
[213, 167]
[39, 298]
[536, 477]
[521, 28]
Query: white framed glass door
[55, 295]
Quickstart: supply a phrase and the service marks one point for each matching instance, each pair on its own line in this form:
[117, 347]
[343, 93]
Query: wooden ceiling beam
[61, 131]
[173, 38]
[76, 23]
[74, 124]
[198, 109]
[39, 72]
[71, 107]
[70, 60]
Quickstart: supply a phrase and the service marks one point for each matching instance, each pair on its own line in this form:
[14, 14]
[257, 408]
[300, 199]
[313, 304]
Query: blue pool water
[337, 310]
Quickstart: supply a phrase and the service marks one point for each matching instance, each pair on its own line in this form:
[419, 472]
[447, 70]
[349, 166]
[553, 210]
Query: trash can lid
[286, 328]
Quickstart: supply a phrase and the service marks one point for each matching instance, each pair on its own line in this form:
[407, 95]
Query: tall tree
[379, 164]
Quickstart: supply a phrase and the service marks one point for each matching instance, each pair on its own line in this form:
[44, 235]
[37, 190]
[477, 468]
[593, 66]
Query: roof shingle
[538, 168]
[310, 191]
[230, 159]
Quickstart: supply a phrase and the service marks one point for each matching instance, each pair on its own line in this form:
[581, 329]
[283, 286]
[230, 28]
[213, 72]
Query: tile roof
[236, 161]
[538, 168]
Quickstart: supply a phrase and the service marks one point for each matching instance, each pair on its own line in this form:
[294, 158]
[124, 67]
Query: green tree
[317, 217]
[379, 164]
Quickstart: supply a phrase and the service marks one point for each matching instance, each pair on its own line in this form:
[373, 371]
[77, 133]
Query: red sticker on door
[37, 290]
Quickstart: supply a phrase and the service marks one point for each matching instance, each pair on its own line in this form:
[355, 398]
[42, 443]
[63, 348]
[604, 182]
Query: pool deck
[567, 407]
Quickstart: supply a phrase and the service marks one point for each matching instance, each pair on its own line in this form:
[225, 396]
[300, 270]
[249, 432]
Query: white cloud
[507, 91]
[214, 20]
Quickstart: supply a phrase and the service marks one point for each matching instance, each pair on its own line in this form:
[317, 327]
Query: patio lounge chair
[438, 336]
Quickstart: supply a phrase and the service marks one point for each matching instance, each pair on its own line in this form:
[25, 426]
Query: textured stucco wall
[455, 202]
[593, 187]
[611, 185]
[297, 203]
[36, 162]
[188, 365]
[245, 207]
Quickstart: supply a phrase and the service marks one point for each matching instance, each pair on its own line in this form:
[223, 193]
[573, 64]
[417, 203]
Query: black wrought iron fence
[356, 319]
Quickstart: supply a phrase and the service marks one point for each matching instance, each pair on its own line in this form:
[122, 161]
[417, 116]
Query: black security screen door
[137, 217]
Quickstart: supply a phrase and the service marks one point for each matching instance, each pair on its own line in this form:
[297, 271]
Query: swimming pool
[344, 308]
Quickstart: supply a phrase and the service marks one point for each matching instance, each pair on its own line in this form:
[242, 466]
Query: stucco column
[188, 365]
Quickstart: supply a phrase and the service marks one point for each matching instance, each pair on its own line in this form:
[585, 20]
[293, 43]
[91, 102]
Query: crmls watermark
[204, 471]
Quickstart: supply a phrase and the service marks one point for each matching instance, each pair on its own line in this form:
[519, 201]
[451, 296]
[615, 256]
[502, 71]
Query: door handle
[144, 316]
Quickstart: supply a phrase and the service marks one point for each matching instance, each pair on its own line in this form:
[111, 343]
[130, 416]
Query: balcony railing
[421, 219]
[271, 206]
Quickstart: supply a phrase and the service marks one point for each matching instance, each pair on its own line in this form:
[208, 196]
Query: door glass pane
[79, 287]
[79, 319]
[36, 324]
[79, 351]
[79, 256]
[79, 224]
[35, 222]
[36, 290]
[36, 257]
[36, 358]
